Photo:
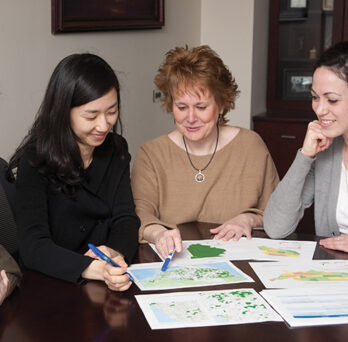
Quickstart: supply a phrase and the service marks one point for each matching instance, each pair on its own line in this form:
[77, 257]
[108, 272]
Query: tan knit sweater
[240, 179]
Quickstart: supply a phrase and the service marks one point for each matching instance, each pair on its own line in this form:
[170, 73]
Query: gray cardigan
[307, 180]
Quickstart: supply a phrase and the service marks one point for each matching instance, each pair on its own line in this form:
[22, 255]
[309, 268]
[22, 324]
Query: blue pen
[167, 261]
[104, 257]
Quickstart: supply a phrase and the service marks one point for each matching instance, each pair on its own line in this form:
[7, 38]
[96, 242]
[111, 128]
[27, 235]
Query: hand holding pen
[104, 257]
[165, 241]
[168, 259]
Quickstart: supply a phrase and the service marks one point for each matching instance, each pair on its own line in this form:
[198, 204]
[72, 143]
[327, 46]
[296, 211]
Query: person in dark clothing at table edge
[72, 178]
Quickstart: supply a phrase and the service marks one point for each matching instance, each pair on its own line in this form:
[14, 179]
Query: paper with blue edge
[310, 306]
[149, 277]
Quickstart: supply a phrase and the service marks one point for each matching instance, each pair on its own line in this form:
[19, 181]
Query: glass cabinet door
[305, 30]
[300, 30]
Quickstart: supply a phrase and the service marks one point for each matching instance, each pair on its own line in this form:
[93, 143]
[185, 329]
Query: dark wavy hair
[76, 80]
[196, 67]
[335, 58]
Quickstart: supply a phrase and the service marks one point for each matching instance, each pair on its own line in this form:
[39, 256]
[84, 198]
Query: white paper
[244, 249]
[207, 272]
[306, 307]
[206, 308]
[313, 273]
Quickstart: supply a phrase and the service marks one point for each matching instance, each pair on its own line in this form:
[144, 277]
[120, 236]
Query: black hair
[335, 58]
[76, 80]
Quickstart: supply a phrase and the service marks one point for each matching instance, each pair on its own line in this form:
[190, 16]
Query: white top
[342, 203]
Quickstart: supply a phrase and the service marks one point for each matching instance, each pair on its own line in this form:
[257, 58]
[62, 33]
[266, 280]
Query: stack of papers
[303, 296]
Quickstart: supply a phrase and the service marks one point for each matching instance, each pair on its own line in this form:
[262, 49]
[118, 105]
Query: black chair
[8, 229]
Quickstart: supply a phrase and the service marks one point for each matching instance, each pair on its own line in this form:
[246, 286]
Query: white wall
[237, 30]
[29, 53]
[259, 58]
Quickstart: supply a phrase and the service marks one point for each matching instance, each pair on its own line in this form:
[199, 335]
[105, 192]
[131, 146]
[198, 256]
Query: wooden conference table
[47, 309]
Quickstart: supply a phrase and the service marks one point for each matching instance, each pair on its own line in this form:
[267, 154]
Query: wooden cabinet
[299, 31]
[283, 137]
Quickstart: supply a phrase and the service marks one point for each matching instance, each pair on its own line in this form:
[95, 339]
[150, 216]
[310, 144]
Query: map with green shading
[190, 309]
[150, 277]
[243, 249]
[278, 251]
[202, 251]
[224, 306]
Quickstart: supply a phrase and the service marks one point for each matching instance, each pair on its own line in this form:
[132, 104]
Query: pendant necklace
[199, 177]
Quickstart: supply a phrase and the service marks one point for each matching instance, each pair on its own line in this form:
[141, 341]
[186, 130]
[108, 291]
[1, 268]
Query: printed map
[312, 273]
[279, 251]
[205, 308]
[150, 277]
[202, 251]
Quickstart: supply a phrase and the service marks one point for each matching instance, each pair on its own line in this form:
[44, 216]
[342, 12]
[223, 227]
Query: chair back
[8, 229]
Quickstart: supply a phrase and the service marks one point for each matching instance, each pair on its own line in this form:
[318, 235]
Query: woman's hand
[315, 141]
[115, 277]
[339, 243]
[166, 239]
[4, 284]
[111, 253]
[235, 228]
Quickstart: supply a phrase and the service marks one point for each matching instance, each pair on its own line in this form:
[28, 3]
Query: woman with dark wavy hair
[72, 178]
[319, 173]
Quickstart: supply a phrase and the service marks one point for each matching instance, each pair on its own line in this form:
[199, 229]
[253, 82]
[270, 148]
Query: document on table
[306, 307]
[313, 273]
[244, 249]
[205, 308]
[207, 272]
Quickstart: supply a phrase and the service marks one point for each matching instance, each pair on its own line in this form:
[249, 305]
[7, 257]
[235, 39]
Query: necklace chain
[199, 177]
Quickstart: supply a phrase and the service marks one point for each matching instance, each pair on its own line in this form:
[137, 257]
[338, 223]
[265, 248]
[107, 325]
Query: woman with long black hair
[72, 178]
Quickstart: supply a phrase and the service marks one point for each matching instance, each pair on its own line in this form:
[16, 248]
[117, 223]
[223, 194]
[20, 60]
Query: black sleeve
[37, 249]
[125, 223]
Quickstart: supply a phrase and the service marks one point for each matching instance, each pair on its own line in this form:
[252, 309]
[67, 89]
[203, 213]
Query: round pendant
[199, 177]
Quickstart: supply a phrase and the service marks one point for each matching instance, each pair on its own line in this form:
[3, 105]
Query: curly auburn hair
[201, 67]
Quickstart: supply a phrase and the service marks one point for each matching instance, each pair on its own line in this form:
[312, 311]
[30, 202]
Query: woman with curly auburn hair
[204, 170]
